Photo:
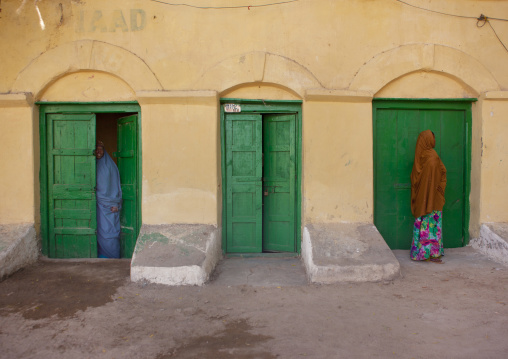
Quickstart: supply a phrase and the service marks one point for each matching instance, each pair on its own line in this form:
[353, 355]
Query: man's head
[99, 150]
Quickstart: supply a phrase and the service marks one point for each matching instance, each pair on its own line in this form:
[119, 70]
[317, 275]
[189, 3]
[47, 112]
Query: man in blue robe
[109, 204]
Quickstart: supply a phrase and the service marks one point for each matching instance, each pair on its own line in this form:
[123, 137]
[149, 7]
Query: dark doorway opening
[106, 131]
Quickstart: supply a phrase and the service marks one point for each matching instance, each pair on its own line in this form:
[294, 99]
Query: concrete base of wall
[493, 242]
[18, 247]
[347, 252]
[177, 254]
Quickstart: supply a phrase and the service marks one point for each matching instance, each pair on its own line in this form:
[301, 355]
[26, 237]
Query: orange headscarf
[428, 178]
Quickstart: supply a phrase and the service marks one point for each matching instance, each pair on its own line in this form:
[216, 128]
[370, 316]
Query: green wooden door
[244, 172]
[127, 166]
[260, 181]
[72, 218]
[279, 183]
[396, 132]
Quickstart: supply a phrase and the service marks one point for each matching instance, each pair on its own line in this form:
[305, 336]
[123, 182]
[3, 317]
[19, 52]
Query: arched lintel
[85, 55]
[121, 87]
[398, 62]
[263, 85]
[260, 68]
[458, 81]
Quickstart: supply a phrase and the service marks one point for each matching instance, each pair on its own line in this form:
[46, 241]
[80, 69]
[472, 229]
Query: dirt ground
[69, 309]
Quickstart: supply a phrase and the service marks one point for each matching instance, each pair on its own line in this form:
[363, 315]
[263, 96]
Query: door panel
[279, 183]
[261, 177]
[71, 183]
[127, 166]
[243, 175]
[453, 158]
[396, 134]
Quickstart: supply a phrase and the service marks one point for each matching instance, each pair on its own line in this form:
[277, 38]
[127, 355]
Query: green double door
[397, 125]
[260, 182]
[69, 214]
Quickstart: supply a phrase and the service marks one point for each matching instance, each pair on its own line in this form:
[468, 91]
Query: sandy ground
[68, 309]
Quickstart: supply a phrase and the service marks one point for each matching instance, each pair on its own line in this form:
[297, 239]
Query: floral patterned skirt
[427, 241]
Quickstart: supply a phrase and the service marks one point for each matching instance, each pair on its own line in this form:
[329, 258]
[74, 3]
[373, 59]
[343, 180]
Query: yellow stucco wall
[180, 160]
[332, 40]
[177, 61]
[337, 162]
[494, 175]
[17, 192]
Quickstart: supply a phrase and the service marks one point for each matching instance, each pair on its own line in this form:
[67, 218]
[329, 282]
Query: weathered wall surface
[337, 162]
[176, 61]
[16, 161]
[332, 40]
[494, 176]
[180, 158]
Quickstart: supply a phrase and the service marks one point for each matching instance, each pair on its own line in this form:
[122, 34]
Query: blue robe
[109, 194]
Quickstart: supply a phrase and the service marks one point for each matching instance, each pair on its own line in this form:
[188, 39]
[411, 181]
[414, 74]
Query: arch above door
[394, 63]
[85, 55]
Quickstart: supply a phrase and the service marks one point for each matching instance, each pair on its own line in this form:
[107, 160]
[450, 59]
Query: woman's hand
[114, 209]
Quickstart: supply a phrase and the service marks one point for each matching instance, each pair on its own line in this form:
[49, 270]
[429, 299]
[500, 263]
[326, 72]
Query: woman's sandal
[436, 260]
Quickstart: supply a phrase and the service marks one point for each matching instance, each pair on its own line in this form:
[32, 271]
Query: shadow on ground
[58, 288]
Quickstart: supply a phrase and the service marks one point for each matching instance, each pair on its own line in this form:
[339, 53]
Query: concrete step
[18, 247]
[347, 252]
[493, 242]
[184, 254]
[176, 254]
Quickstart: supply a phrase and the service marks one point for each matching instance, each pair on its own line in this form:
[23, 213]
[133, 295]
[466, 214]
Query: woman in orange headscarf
[428, 183]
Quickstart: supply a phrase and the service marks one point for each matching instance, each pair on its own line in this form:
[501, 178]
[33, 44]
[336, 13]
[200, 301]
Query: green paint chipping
[184, 251]
[153, 237]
